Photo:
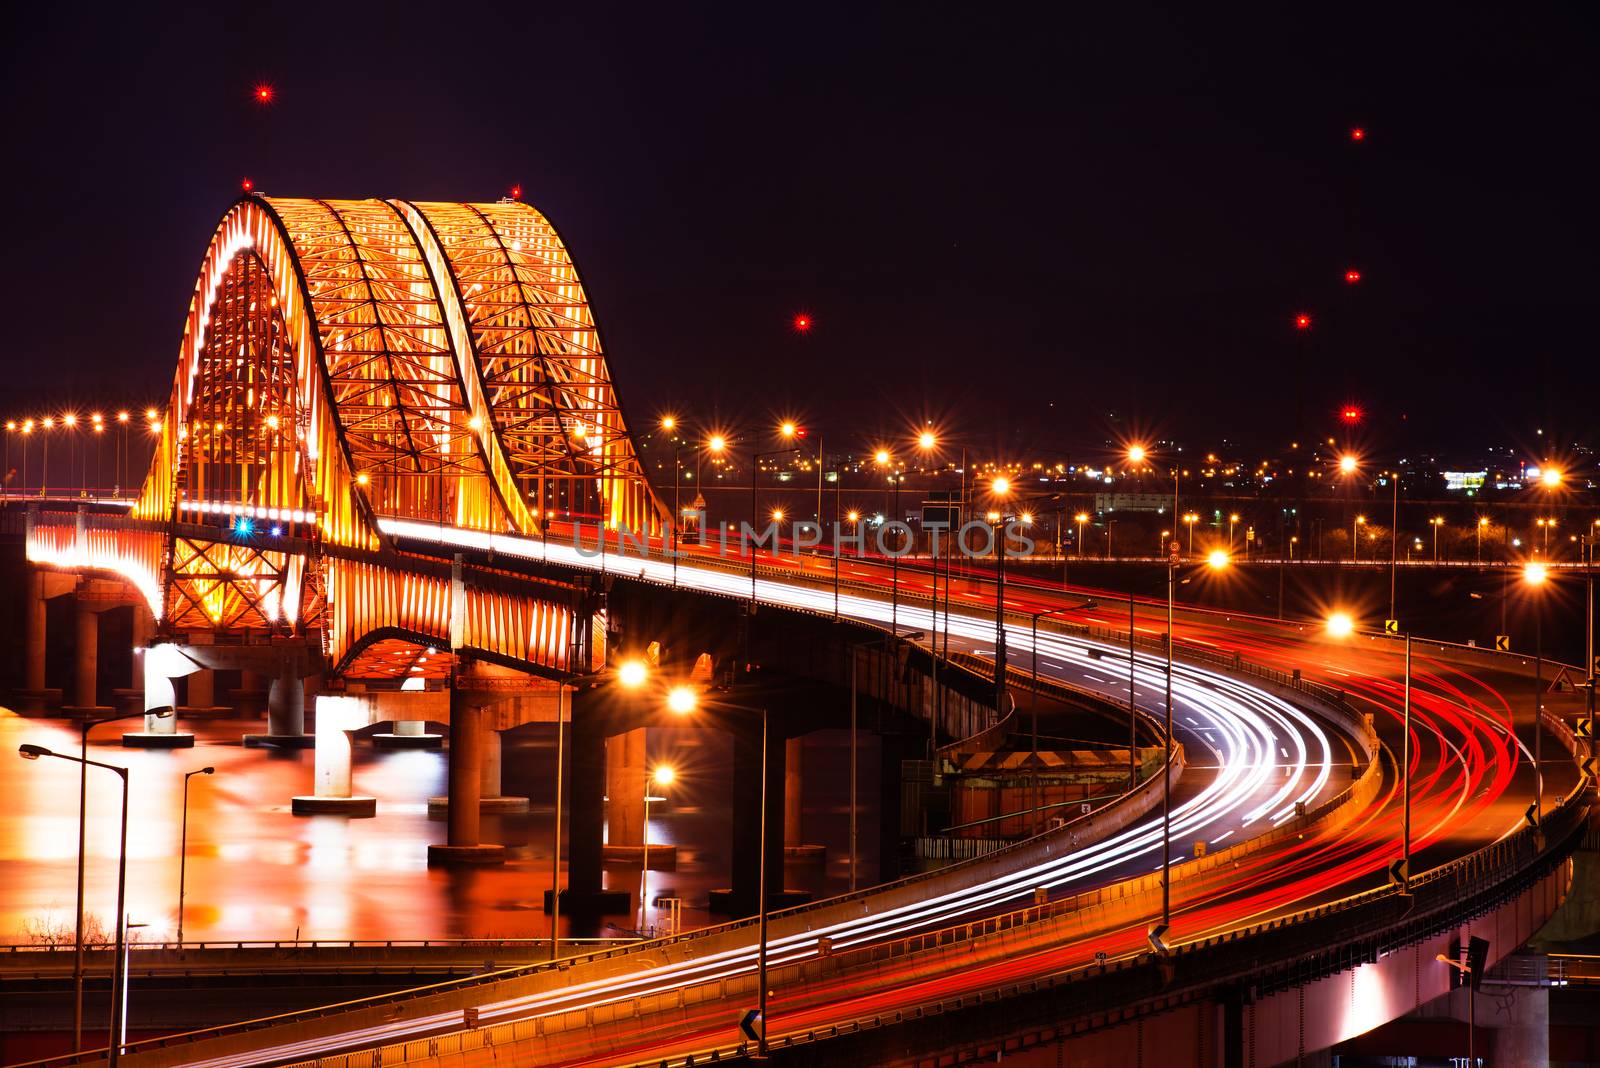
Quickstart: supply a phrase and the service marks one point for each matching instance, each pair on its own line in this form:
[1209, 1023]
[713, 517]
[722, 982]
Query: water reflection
[256, 871]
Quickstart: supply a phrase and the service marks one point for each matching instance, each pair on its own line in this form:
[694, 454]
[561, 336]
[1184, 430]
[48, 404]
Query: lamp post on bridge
[755, 488]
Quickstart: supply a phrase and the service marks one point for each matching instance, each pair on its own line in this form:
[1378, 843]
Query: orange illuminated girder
[344, 360]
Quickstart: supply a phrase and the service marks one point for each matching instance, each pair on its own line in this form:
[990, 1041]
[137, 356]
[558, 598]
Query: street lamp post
[1536, 575]
[755, 483]
[1001, 488]
[119, 975]
[683, 699]
[1355, 540]
[84, 727]
[1216, 561]
[1483, 521]
[1436, 522]
[183, 845]
[1082, 517]
[677, 511]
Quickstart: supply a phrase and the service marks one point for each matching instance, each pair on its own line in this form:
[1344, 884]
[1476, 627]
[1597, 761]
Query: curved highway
[1257, 755]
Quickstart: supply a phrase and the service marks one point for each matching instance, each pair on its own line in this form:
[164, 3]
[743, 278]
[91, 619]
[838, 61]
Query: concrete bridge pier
[462, 846]
[158, 665]
[202, 690]
[286, 714]
[337, 717]
[411, 734]
[86, 655]
[628, 772]
[491, 798]
[585, 893]
[795, 846]
[742, 897]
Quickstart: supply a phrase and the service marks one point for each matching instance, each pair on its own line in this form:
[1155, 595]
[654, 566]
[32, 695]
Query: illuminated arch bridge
[350, 360]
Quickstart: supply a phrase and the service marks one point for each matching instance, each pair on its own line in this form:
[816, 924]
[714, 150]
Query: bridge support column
[490, 797]
[286, 715]
[1522, 1030]
[410, 734]
[466, 782]
[86, 657]
[742, 898]
[795, 846]
[202, 689]
[627, 782]
[585, 779]
[37, 623]
[337, 716]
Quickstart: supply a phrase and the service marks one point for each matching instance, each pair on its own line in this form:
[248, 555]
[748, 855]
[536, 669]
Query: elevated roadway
[1470, 782]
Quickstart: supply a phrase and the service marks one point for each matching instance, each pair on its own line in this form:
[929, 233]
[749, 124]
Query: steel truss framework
[345, 360]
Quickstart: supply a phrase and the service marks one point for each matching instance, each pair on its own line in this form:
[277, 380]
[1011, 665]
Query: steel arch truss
[345, 360]
[536, 356]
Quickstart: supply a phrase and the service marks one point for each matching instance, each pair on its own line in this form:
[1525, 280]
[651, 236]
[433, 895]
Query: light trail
[1248, 721]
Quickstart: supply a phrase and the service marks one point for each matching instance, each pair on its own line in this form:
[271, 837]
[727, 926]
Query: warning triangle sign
[1562, 682]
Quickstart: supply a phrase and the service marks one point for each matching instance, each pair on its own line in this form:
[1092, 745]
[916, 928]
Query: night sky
[1031, 232]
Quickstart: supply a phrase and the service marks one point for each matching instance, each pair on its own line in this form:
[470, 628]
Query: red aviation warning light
[1351, 413]
[1357, 134]
[263, 93]
[802, 323]
[1302, 321]
[516, 192]
[1352, 276]
[247, 185]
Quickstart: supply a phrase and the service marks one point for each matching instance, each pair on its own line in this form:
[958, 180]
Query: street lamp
[84, 727]
[1483, 521]
[1000, 488]
[119, 973]
[883, 458]
[1233, 520]
[715, 444]
[1082, 518]
[1216, 561]
[661, 776]
[1355, 540]
[1191, 519]
[183, 847]
[755, 483]
[1341, 626]
[1436, 522]
[1535, 575]
[684, 699]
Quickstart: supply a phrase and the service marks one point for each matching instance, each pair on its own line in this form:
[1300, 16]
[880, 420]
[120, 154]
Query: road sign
[1531, 816]
[1562, 682]
[747, 1024]
[1587, 767]
[1581, 728]
[1398, 871]
[1391, 626]
[1502, 643]
[1154, 936]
